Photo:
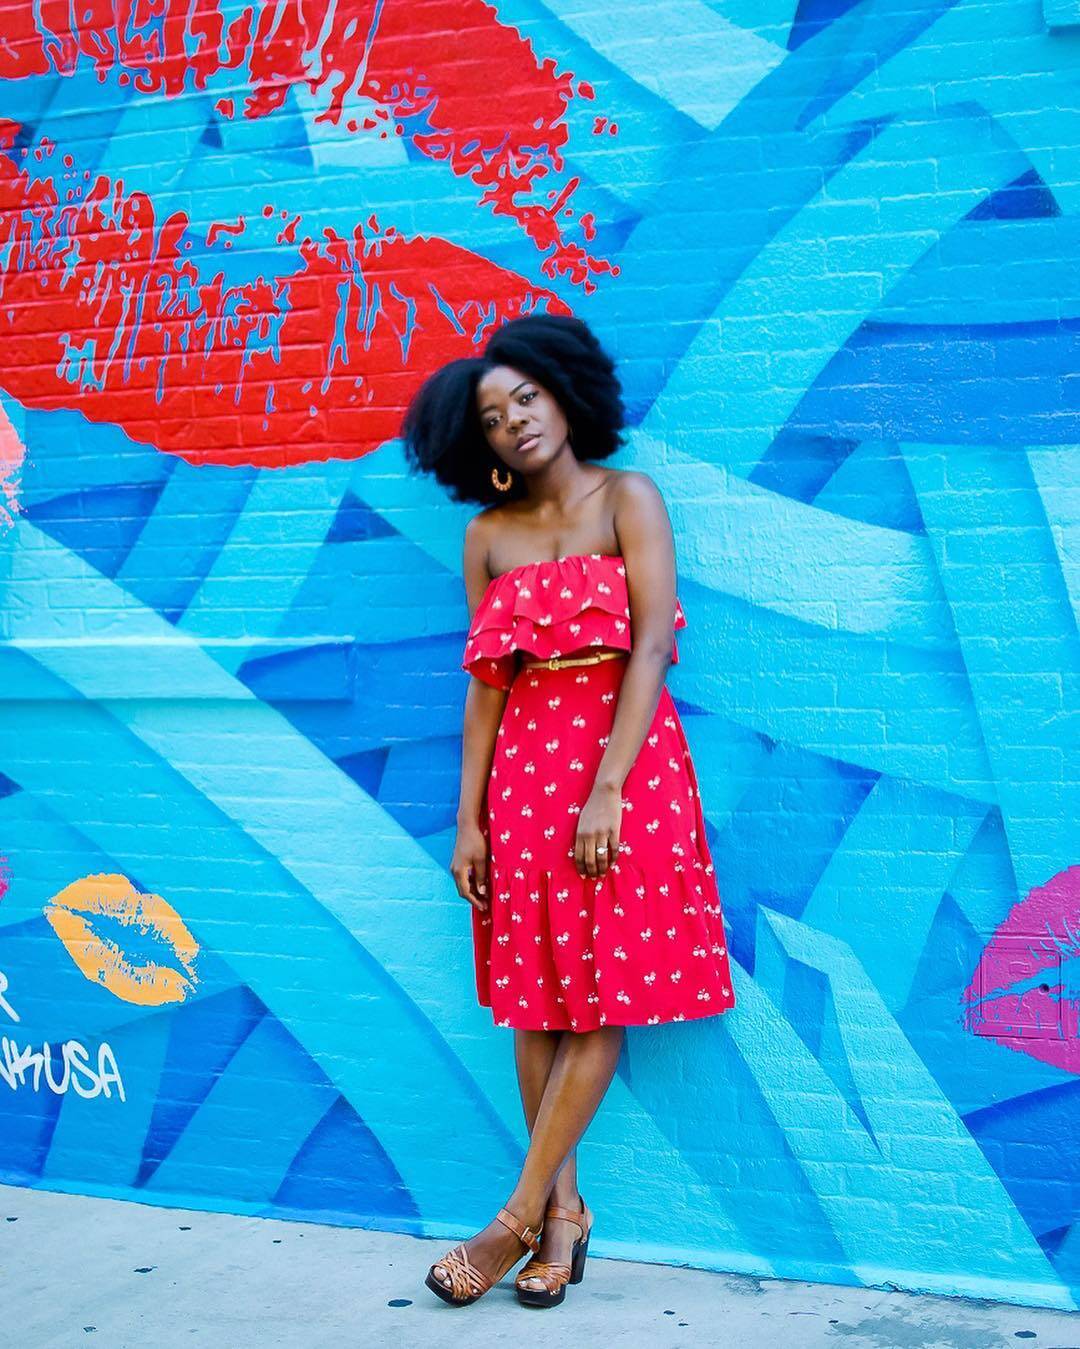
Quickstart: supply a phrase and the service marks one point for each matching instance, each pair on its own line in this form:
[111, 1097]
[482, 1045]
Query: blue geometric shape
[965, 383]
[67, 453]
[206, 1033]
[1026, 198]
[799, 464]
[777, 1196]
[950, 953]
[812, 17]
[808, 1004]
[850, 51]
[1031, 739]
[1051, 1242]
[112, 1131]
[283, 137]
[781, 837]
[99, 524]
[348, 698]
[874, 486]
[7, 787]
[797, 169]
[211, 135]
[1042, 1126]
[27, 103]
[248, 1128]
[308, 674]
[1061, 13]
[180, 542]
[289, 130]
[342, 1170]
[27, 1123]
[355, 520]
[366, 768]
[419, 788]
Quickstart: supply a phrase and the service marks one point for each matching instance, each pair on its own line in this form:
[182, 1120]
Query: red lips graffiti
[466, 88]
[1025, 992]
[104, 305]
[276, 371]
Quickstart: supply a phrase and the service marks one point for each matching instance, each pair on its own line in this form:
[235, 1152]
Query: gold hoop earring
[501, 486]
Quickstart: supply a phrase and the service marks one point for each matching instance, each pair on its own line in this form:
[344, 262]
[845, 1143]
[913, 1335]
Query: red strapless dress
[557, 951]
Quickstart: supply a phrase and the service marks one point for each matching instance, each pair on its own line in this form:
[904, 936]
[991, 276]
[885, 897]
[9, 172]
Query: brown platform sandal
[467, 1283]
[555, 1276]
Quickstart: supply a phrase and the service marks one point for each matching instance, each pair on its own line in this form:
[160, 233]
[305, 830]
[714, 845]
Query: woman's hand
[598, 824]
[468, 866]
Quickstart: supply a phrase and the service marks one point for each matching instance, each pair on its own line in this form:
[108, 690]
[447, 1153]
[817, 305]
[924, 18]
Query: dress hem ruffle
[696, 1015]
[608, 943]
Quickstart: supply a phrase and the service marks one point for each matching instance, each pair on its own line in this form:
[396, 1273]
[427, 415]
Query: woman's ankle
[573, 1201]
[526, 1212]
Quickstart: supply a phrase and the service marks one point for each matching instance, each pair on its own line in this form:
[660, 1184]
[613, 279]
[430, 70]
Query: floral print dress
[644, 943]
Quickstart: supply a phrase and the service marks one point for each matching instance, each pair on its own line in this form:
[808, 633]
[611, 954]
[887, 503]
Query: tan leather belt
[561, 662]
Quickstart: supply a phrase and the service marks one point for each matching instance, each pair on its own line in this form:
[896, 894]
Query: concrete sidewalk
[106, 1272]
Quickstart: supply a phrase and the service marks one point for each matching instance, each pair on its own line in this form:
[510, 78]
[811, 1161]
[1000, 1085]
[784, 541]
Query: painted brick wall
[834, 247]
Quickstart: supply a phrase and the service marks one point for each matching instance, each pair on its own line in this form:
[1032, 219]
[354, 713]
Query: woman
[580, 841]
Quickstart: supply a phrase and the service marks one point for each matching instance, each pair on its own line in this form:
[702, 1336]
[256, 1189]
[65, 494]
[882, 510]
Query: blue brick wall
[833, 248]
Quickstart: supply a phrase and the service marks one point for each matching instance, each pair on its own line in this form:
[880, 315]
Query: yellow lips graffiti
[102, 960]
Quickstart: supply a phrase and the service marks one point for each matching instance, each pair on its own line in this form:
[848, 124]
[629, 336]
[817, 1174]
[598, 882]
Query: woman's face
[522, 422]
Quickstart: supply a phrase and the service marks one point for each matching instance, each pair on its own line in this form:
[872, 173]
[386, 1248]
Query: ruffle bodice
[556, 607]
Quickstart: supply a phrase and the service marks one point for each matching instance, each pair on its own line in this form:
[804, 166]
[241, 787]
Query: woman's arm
[484, 706]
[483, 711]
[645, 542]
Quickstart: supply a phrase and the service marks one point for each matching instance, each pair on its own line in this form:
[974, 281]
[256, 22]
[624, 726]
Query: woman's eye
[530, 394]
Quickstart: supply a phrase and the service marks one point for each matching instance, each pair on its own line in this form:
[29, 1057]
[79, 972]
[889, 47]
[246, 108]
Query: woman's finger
[603, 856]
[480, 877]
[463, 880]
[590, 856]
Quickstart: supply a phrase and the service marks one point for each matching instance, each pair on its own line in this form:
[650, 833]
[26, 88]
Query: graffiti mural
[834, 247]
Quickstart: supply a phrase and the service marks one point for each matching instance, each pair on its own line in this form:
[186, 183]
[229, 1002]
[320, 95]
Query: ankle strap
[523, 1233]
[554, 1211]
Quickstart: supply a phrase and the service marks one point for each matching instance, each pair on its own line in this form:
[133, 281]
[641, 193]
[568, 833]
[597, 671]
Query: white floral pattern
[560, 950]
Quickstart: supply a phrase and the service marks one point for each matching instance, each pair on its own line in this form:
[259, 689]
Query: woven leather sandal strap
[554, 1211]
[552, 1276]
[465, 1279]
[523, 1233]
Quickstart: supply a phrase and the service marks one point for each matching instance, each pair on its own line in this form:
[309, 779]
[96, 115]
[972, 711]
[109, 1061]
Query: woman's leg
[581, 1071]
[534, 1052]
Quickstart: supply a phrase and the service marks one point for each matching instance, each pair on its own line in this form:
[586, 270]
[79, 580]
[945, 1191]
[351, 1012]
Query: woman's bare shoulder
[631, 484]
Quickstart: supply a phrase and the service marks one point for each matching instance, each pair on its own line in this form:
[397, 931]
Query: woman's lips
[1025, 992]
[102, 960]
[527, 445]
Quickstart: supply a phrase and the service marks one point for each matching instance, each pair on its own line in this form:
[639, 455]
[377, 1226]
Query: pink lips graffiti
[1025, 992]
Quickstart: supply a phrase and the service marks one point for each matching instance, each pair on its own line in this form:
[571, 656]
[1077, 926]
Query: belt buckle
[554, 663]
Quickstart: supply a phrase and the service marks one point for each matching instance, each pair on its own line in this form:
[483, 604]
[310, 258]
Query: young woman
[580, 841]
